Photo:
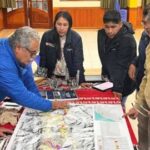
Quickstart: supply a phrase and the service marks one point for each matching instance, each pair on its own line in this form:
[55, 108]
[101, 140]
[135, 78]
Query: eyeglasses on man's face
[31, 52]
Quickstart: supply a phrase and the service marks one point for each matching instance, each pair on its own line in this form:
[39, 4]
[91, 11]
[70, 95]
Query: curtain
[123, 3]
[145, 2]
[110, 4]
[7, 3]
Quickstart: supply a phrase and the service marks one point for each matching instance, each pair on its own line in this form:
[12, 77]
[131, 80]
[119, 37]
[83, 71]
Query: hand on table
[132, 113]
[59, 104]
[117, 94]
[86, 85]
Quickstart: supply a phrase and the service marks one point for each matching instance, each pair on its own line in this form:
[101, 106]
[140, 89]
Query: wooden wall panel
[90, 17]
[139, 18]
[1, 20]
[39, 18]
[135, 16]
[16, 18]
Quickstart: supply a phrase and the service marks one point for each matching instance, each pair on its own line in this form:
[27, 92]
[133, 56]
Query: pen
[144, 109]
[138, 110]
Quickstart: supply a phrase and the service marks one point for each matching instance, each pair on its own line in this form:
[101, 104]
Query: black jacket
[73, 52]
[116, 54]
[139, 61]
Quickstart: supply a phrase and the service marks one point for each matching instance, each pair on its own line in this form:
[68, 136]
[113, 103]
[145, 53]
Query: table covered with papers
[93, 121]
[88, 126]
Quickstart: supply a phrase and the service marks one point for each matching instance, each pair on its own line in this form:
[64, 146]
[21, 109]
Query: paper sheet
[77, 128]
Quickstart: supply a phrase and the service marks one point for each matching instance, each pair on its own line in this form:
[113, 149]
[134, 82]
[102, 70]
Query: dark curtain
[110, 4]
[145, 2]
[123, 3]
[7, 3]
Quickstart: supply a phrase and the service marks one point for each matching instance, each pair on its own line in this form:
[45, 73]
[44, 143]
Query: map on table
[81, 127]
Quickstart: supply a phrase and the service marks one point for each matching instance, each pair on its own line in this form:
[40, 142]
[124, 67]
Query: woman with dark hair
[61, 50]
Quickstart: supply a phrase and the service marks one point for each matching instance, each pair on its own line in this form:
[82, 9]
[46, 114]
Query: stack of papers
[103, 86]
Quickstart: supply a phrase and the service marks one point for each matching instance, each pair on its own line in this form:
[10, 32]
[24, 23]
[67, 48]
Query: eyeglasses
[32, 53]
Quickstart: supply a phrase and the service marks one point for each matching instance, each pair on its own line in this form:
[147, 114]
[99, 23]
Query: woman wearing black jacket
[61, 49]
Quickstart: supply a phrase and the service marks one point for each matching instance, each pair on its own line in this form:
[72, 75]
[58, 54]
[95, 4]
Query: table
[92, 96]
[79, 127]
[88, 96]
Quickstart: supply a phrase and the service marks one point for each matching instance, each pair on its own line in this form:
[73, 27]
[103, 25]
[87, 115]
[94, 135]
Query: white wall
[139, 3]
[58, 3]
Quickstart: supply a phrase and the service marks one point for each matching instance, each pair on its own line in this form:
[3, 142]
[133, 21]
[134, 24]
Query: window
[41, 4]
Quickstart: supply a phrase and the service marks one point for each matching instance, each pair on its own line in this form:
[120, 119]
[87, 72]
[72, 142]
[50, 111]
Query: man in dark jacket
[136, 69]
[117, 48]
